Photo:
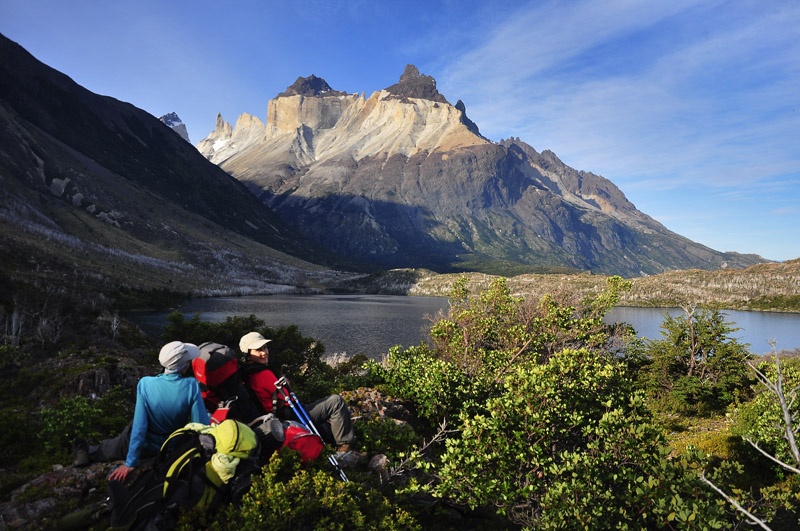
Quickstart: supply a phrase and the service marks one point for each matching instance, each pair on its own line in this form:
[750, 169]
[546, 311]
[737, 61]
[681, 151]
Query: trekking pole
[282, 386]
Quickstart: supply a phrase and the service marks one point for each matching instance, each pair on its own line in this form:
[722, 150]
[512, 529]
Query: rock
[41, 502]
[412, 84]
[378, 463]
[310, 86]
[367, 403]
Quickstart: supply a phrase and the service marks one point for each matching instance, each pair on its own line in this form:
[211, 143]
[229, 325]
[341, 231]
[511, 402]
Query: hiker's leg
[113, 449]
[333, 409]
[319, 415]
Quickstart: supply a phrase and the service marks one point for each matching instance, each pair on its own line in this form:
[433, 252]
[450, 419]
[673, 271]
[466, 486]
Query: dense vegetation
[527, 413]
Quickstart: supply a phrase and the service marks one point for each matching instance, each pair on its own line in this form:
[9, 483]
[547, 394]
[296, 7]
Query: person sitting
[164, 403]
[329, 414]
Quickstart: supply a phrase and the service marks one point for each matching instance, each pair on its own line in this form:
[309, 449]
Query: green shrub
[697, 368]
[437, 388]
[761, 419]
[84, 417]
[569, 441]
[486, 336]
[17, 435]
[378, 435]
[18, 442]
[287, 496]
[353, 373]
[11, 355]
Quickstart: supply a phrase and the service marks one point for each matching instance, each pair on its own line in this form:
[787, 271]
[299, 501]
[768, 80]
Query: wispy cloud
[697, 88]
[698, 97]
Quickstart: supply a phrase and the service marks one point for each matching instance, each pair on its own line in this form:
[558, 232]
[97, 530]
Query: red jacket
[262, 382]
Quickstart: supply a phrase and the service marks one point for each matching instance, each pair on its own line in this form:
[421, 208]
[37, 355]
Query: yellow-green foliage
[485, 337]
[287, 496]
[377, 435]
[710, 436]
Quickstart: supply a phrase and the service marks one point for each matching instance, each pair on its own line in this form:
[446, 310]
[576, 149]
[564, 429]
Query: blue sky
[691, 107]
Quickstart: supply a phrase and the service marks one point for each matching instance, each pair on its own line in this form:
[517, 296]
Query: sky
[690, 107]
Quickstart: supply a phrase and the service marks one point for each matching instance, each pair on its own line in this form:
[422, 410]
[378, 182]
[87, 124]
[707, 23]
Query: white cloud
[699, 99]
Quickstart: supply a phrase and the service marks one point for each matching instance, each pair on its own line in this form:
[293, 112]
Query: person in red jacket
[330, 414]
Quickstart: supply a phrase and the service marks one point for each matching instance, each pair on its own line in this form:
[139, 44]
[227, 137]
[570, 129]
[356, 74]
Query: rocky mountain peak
[310, 86]
[173, 121]
[412, 84]
[472, 126]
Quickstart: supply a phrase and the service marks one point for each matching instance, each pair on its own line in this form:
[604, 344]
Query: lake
[372, 324]
[348, 324]
[757, 328]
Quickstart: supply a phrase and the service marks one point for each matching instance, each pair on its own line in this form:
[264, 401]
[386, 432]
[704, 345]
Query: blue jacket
[164, 403]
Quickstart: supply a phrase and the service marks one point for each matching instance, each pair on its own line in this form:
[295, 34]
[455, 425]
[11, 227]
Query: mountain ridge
[404, 179]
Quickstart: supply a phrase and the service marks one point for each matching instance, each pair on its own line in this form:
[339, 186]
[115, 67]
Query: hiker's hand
[120, 473]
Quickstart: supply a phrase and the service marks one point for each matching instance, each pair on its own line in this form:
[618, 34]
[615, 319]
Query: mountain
[405, 179]
[173, 121]
[98, 194]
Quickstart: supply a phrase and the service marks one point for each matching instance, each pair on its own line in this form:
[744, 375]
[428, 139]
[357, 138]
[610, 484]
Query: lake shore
[766, 287]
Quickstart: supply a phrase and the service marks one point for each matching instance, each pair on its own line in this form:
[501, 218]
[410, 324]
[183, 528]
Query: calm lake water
[372, 324]
[757, 328]
[351, 324]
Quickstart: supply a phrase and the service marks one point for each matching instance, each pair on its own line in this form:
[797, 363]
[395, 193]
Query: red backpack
[298, 438]
[224, 393]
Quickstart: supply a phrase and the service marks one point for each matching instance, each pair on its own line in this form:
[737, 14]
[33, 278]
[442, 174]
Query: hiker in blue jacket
[164, 403]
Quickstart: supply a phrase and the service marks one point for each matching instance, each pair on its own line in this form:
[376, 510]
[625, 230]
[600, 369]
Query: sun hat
[252, 341]
[175, 355]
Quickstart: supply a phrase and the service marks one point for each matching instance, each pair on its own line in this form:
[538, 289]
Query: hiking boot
[350, 458]
[80, 453]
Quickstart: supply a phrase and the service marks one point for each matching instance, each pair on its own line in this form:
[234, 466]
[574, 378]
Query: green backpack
[197, 466]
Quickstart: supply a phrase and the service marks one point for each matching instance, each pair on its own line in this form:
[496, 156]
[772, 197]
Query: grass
[709, 435]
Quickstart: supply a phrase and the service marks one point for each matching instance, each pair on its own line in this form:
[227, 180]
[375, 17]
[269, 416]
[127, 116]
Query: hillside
[100, 195]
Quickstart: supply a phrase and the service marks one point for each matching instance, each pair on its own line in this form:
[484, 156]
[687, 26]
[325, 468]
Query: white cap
[175, 355]
[251, 341]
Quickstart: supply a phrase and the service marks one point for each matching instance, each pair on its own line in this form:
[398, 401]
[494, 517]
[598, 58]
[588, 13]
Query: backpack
[300, 439]
[224, 393]
[197, 466]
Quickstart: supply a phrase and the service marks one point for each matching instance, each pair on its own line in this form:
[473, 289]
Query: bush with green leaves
[761, 419]
[377, 435]
[436, 388]
[697, 368]
[485, 337]
[762, 422]
[90, 418]
[570, 441]
[288, 496]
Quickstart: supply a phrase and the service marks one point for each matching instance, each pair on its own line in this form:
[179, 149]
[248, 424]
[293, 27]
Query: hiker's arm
[199, 413]
[120, 473]
[138, 427]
